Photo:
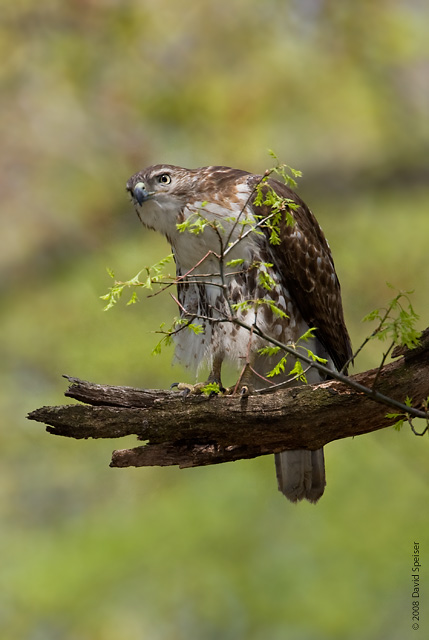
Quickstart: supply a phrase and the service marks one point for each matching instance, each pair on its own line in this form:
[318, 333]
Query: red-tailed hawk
[228, 263]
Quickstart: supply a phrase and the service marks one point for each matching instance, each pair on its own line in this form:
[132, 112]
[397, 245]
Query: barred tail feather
[301, 474]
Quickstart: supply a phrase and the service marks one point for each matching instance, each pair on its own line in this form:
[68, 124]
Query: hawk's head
[162, 183]
[160, 193]
[165, 195]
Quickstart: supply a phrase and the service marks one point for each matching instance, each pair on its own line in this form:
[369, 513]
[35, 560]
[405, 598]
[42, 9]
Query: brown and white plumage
[304, 284]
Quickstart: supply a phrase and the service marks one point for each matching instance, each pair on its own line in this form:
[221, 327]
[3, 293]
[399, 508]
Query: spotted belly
[219, 338]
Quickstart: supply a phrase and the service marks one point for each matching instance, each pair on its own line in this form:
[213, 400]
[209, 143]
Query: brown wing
[304, 260]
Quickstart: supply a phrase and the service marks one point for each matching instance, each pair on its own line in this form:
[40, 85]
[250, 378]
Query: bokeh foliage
[91, 92]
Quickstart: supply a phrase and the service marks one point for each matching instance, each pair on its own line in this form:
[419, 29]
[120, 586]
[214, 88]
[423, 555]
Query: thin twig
[383, 360]
[197, 264]
[280, 385]
[261, 377]
[248, 232]
[373, 334]
[244, 207]
[332, 373]
[416, 433]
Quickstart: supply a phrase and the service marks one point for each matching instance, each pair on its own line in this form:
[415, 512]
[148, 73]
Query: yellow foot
[198, 388]
[239, 389]
[212, 389]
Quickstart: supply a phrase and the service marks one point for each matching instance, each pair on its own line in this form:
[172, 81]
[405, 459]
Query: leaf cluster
[297, 372]
[178, 325]
[400, 417]
[255, 303]
[196, 222]
[281, 207]
[152, 275]
[403, 417]
[396, 322]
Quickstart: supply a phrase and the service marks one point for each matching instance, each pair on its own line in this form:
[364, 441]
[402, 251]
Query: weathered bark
[199, 430]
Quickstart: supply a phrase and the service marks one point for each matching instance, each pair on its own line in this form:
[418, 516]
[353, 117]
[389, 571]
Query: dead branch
[199, 430]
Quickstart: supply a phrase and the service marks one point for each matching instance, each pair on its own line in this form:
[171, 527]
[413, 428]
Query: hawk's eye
[164, 178]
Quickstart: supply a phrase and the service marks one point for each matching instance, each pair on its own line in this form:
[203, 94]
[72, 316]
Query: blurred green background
[92, 91]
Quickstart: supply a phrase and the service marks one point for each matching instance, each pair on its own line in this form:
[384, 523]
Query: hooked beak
[139, 193]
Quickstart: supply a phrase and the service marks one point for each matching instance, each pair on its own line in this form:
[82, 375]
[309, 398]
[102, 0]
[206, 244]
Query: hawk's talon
[188, 389]
[183, 388]
[185, 393]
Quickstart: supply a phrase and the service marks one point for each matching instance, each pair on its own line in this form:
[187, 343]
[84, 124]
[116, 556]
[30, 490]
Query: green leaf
[165, 341]
[396, 322]
[398, 425]
[274, 156]
[157, 348]
[266, 280]
[182, 226]
[268, 351]
[133, 299]
[195, 328]
[235, 263]
[274, 308]
[211, 387]
[315, 357]
[279, 368]
[244, 305]
[308, 334]
[298, 372]
[373, 315]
